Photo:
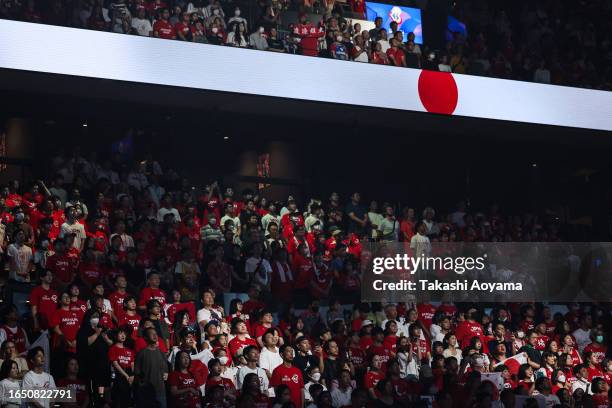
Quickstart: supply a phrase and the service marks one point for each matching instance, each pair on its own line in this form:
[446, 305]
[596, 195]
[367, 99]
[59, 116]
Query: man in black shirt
[356, 215]
[275, 43]
[303, 358]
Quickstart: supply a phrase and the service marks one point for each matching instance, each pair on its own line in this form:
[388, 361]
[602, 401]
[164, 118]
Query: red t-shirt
[382, 352]
[116, 300]
[69, 323]
[164, 29]
[292, 378]
[594, 372]
[598, 351]
[396, 56]
[133, 321]
[184, 381]
[90, 273]
[80, 307]
[371, 379]
[226, 383]
[183, 28]
[426, 313]
[147, 294]
[600, 401]
[46, 303]
[236, 344]
[174, 308]
[466, 331]
[77, 385]
[122, 355]
[62, 266]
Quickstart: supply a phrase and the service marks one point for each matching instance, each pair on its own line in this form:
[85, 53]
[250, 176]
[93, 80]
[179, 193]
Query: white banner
[94, 54]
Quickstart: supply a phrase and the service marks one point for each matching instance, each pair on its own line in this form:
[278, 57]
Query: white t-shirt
[227, 217]
[263, 377]
[204, 356]
[142, 26]
[363, 57]
[384, 45]
[420, 244]
[269, 360]
[78, 229]
[21, 256]
[161, 213]
[251, 266]
[341, 398]
[126, 241]
[5, 386]
[375, 219]
[42, 381]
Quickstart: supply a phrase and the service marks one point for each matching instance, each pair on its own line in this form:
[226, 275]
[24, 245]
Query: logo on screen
[398, 15]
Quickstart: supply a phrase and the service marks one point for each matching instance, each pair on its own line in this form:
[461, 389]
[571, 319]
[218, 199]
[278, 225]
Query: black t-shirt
[275, 44]
[412, 60]
[303, 362]
[359, 212]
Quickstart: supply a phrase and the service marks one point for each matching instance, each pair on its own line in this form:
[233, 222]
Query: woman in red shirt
[373, 376]
[122, 361]
[184, 387]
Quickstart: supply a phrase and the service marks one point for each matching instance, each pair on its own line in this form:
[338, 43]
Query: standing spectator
[12, 331]
[375, 33]
[251, 355]
[184, 386]
[72, 382]
[73, 227]
[43, 302]
[37, 377]
[357, 216]
[289, 375]
[92, 350]
[20, 258]
[122, 361]
[151, 372]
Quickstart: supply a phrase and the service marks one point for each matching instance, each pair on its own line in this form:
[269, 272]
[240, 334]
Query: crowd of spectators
[156, 294]
[546, 41]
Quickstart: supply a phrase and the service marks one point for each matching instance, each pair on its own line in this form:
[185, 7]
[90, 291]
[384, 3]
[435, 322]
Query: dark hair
[33, 351]
[5, 369]
[177, 360]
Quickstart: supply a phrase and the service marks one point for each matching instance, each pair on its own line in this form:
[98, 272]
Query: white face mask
[223, 360]
[237, 13]
[215, 30]
[216, 12]
[94, 321]
[316, 377]
[261, 30]
[339, 38]
[561, 378]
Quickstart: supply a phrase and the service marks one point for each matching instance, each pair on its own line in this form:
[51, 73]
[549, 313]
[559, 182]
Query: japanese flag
[513, 363]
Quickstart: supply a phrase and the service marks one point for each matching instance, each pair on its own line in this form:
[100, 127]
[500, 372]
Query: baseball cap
[366, 323]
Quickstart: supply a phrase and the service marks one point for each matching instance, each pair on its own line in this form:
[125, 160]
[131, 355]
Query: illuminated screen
[455, 26]
[408, 19]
